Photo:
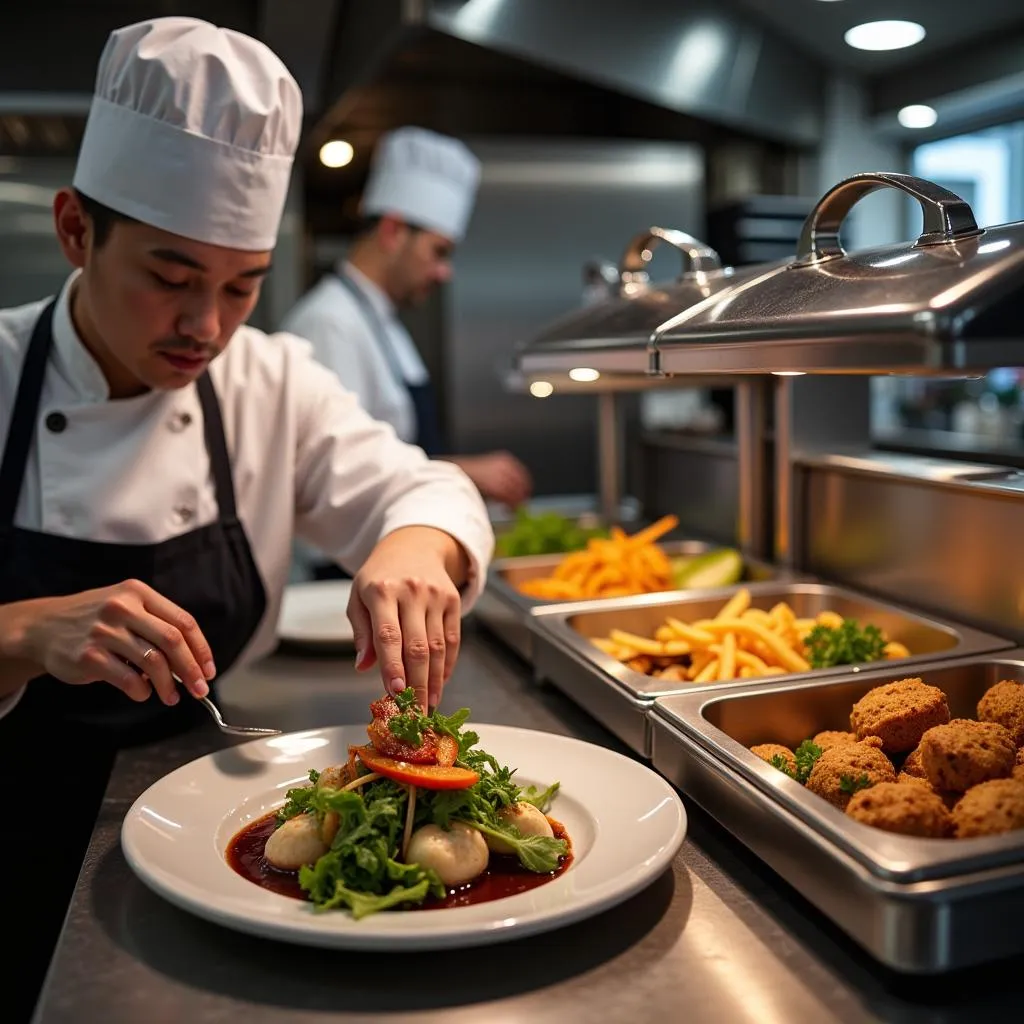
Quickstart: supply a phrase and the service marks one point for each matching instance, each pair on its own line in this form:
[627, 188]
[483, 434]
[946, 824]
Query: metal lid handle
[697, 257]
[947, 218]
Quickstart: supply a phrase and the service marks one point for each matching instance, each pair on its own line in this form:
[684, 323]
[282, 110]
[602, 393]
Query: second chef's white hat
[430, 180]
[192, 129]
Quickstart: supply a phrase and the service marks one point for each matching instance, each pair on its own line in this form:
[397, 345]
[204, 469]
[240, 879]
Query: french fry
[652, 533]
[664, 634]
[751, 661]
[709, 672]
[697, 637]
[639, 643]
[831, 620]
[736, 605]
[757, 615]
[894, 649]
[675, 648]
[727, 659]
[784, 655]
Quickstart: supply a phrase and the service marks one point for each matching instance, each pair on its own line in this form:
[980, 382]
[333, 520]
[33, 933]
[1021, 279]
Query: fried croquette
[852, 761]
[910, 809]
[990, 808]
[1004, 704]
[965, 753]
[948, 798]
[913, 765]
[899, 713]
[832, 738]
[766, 751]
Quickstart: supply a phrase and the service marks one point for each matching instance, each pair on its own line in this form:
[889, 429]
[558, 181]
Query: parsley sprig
[848, 644]
[806, 756]
[848, 784]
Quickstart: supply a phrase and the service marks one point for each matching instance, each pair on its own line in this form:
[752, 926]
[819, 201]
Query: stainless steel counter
[717, 939]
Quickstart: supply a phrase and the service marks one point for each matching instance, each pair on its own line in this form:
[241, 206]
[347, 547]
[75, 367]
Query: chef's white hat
[427, 179]
[192, 129]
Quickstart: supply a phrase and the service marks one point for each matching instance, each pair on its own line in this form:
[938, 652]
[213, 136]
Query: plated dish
[313, 615]
[621, 824]
[419, 817]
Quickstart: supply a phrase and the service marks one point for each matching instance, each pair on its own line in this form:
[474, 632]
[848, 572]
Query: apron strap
[217, 448]
[25, 419]
[428, 424]
[25, 415]
[377, 326]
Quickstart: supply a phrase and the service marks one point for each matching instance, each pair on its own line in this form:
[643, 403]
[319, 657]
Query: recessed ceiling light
[542, 389]
[584, 374]
[885, 35]
[336, 153]
[917, 115]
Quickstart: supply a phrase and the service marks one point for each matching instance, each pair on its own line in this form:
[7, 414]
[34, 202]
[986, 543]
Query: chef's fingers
[179, 637]
[149, 661]
[362, 631]
[437, 645]
[386, 633]
[416, 651]
[103, 666]
[452, 626]
[170, 641]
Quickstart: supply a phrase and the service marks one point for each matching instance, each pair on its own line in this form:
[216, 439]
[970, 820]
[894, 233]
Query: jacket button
[56, 422]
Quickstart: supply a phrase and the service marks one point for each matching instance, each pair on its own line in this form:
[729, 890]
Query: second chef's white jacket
[331, 319]
[308, 461]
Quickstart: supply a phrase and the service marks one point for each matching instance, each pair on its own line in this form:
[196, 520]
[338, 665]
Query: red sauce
[504, 876]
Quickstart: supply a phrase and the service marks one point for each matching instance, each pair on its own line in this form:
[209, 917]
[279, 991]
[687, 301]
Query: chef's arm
[357, 483]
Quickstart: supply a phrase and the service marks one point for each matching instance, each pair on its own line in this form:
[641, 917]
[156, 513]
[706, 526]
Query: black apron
[67, 736]
[429, 436]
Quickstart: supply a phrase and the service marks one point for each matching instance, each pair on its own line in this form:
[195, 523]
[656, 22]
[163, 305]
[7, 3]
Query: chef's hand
[405, 611]
[499, 476]
[127, 635]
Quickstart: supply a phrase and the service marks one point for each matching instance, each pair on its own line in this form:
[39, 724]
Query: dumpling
[528, 819]
[457, 855]
[295, 843]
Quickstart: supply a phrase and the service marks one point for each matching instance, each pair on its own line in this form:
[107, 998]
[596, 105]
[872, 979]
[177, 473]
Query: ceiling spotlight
[584, 374]
[917, 115]
[885, 35]
[542, 389]
[336, 153]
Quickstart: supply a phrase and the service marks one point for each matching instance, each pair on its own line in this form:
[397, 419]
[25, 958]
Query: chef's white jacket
[343, 340]
[307, 460]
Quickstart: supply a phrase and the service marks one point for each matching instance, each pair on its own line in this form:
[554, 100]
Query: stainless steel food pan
[917, 905]
[504, 611]
[620, 698]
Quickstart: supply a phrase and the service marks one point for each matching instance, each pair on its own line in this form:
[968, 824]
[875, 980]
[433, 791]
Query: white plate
[314, 614]
[626, 824]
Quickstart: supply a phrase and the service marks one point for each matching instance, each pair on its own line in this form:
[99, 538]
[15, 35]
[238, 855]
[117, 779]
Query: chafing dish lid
[948, 301]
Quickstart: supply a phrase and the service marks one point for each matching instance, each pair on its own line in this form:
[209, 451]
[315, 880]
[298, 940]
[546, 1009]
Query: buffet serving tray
[917, 905]
[505, 612]
[621, 698]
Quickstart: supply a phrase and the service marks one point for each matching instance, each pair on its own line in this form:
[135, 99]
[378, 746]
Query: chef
[158, 455]
[415, 207]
